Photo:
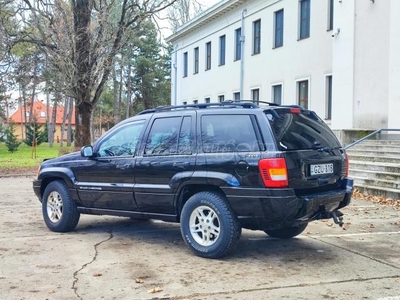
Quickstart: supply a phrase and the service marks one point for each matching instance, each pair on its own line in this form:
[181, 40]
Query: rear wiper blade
[328, 149]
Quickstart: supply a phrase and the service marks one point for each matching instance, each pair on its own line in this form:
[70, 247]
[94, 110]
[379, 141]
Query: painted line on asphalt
[355, 234]
[315, 236]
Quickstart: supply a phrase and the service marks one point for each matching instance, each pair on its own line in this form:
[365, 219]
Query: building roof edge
[204, 18]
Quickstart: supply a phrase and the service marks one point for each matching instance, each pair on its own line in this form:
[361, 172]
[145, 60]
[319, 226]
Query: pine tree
[11, 141]
[33, 131]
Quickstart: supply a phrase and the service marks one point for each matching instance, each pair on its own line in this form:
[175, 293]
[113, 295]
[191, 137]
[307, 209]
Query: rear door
[167, 159]
[231, 147]
[314, 157]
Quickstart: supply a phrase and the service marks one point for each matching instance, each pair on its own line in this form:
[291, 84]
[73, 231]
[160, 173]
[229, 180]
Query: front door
[107, 180]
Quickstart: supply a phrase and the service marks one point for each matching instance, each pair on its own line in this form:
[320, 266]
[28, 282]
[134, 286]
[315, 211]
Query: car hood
[62, 159]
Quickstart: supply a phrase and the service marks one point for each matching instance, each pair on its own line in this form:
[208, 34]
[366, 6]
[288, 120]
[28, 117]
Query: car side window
[185, 137]
[169, 136]
[122, 142]
[228, 133]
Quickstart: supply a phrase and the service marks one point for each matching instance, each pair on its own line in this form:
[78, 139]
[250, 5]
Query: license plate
[321, 169]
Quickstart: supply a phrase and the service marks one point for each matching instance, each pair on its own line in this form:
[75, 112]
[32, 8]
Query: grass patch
[23, 157]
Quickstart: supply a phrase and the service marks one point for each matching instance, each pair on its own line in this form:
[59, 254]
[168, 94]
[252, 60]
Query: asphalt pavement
[116, 258]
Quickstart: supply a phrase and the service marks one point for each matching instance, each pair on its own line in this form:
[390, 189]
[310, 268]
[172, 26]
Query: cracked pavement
[116, 258]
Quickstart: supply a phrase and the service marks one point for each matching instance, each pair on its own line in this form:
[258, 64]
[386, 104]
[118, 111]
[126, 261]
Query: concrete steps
[375, 167]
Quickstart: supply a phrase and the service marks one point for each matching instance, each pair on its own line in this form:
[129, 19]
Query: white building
[340, 58]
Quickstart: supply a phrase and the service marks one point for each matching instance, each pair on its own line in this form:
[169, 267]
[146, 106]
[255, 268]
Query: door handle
[123, 167]
[181, 164]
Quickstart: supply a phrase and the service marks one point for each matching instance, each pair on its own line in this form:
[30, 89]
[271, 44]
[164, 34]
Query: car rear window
[229, 133]
[296, 129]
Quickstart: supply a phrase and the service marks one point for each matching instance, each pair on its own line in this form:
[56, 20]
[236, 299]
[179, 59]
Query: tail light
[273, 172]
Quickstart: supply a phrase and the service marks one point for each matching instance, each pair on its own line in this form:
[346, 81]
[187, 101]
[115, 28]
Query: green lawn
[22, 158]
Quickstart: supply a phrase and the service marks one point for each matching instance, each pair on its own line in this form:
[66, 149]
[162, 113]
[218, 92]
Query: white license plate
[321, 169]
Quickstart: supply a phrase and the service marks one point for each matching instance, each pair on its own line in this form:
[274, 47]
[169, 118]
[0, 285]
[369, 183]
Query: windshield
[299, 131]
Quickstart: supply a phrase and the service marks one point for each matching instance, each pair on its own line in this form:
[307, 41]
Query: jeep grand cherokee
[215, 168]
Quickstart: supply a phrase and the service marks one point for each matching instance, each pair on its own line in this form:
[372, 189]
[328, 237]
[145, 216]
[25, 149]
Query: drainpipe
[175, 82]
[242, 38]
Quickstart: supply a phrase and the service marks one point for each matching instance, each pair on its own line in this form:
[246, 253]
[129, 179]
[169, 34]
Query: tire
[59, 210]
[287, 233]
[209, 227]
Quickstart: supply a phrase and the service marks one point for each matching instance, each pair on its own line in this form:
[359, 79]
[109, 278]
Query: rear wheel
[209, 227]
[286, 233]
[59, 209]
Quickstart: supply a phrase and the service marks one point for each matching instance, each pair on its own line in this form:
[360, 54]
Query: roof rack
[226, 103]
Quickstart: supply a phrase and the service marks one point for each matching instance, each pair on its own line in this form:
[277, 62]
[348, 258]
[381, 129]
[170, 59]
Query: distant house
[21, 117]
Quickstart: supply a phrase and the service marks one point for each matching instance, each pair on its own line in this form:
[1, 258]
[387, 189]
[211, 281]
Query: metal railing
[368, 136]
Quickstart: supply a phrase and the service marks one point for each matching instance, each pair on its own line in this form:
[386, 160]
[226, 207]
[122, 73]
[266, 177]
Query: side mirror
[87, 151]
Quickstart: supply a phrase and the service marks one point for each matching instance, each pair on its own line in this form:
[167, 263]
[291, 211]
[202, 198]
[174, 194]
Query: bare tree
[80, 39]
[182, 12]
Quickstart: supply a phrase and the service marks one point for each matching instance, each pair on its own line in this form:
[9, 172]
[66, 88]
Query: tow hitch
[337, 217]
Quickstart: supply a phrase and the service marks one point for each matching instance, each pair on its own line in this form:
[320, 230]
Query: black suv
[215, 168]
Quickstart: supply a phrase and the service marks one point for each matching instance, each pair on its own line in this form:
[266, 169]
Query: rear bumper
[278, 208]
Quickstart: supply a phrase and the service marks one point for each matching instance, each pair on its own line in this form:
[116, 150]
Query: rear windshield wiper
[328, 149]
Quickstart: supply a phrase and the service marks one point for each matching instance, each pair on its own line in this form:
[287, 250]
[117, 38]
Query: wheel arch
[49, 176]
[189, 189]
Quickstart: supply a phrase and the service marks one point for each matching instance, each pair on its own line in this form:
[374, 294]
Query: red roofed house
[21, 116]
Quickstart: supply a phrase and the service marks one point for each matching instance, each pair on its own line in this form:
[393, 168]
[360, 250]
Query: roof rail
[226, 103]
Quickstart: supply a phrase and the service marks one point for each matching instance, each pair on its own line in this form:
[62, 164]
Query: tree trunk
[24, 120]
[120, 93]
[69, 118]
[82, 125]
[84, 106]
[35, 66]
[52, 128]
[116, 110]
[63, 122]
[128, 91]
[50, 133]
[92, 134]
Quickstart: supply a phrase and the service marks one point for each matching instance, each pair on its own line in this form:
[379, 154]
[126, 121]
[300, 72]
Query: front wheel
[59, 209]
[286, 233]
[209, 227]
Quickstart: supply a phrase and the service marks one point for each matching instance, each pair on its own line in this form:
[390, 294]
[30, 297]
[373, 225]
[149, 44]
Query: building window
[185, 64]
[238, 46]
[328, 101]
[255, 95]
[257, 37]
[207, 100]
[302, 92]
[277, 94]
[278, 26]
[42, 114]
[304, 19]
[196, 60]
[222, 47]
[221, 98]
[236, 96]
[27, 114]
[208, 56]
[195, 101]
[330, 14]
